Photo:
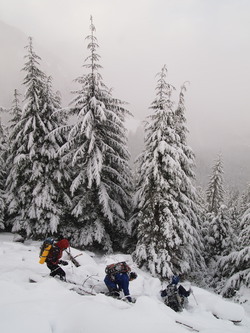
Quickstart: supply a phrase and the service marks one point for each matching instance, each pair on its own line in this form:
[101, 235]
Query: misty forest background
[67, 170]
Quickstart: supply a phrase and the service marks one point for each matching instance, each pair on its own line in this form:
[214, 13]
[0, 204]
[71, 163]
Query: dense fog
[204, 43]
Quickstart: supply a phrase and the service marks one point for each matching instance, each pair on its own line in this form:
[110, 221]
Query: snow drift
[51, 306]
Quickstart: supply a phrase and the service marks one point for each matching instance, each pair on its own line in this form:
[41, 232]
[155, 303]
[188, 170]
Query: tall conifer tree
[3, 157]
[219, 237]
[215, 190]
[219, 230]
[189, 200]
[35, 196]
[167, 236]
[97, 149]
[16, 110]
[234, 269]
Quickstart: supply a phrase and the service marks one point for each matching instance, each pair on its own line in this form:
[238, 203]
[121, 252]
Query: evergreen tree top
[215, 190]
[34, 81]
[163, 92]
[32, 63]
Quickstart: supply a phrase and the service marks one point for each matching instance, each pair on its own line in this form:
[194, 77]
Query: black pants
[56, 270]
[183, 292]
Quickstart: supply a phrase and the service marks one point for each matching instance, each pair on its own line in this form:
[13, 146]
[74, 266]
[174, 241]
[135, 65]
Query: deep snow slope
[50, 306]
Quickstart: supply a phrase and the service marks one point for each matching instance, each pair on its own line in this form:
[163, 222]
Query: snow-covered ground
[50, 306]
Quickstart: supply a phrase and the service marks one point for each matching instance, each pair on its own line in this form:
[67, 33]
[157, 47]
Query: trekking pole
[194, 297]
[188, 326]
[54, 270]
[94, 277]
[71, 258]
[72, 266]
[90, 277]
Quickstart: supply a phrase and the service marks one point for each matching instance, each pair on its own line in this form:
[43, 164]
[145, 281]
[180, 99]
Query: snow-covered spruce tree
[235, 268]
[215, 197]
[233, 202]
[244, 200]
[167, 229]
[244, 237]
[219, 240]
[3, 156]
[202, 215]
[16, 110]
[97, 150]
[215, 190]
[190, 200]
[35, 196]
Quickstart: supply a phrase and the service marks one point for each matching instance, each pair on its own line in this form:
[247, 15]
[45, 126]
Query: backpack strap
[53, 254]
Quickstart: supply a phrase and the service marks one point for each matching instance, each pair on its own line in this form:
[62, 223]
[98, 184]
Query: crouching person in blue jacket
[120, 282]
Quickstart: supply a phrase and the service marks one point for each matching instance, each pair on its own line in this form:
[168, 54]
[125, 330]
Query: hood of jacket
[63, 244]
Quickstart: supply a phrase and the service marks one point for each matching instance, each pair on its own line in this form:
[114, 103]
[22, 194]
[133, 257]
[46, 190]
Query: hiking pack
[45, 249]
[120, 267]
[172, 298]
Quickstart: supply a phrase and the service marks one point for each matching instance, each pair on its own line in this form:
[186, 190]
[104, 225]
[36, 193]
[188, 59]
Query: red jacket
[56, 251]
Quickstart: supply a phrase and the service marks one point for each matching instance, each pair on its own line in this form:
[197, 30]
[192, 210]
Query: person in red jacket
[54, 258]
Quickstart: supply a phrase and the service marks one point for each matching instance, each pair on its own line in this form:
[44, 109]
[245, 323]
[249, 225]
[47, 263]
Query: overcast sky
[205, 42]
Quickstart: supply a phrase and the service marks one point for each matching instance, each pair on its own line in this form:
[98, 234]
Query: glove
[189, 292]
[64, 263]
[163, 293]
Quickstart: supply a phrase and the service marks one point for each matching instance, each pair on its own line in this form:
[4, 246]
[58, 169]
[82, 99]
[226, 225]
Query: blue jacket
[120, 282]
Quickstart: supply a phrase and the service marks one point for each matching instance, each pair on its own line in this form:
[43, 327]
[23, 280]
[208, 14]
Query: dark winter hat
[175, 279]
[132, 276]
[63, 244]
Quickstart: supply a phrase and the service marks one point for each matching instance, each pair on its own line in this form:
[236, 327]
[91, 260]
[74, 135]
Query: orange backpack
[45, 249]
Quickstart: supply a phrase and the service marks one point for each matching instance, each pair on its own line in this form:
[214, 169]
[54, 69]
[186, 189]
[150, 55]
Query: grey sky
[206, 42]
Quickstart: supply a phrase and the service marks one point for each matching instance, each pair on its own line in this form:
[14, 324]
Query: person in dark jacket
[175, 297]
[54, 258]
[120, 282]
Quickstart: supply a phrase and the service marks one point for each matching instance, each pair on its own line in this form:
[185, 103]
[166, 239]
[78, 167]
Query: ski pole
[78, 255]
[188, 326]
[194, 297]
